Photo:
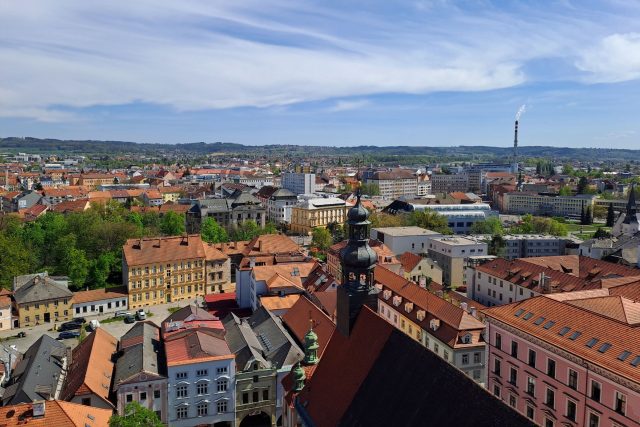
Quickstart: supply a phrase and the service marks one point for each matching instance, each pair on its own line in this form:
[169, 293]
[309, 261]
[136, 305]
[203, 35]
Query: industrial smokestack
[515, 149]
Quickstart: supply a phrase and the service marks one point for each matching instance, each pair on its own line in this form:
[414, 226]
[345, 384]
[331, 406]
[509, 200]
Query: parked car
[79, 320]
[129, 318]
[68, 334]
[93, 325]
[21, 334]
[141, 315]
[122, 313]
[69, 326]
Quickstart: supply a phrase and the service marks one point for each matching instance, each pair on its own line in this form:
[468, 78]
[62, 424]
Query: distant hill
[36, 145]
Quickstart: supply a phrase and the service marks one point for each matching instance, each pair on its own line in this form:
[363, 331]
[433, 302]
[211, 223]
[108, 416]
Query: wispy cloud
[344, 105]
[197, 54]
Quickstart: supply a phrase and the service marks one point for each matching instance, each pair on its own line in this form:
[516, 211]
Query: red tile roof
[409, 261]
[299, 317]
[99, 294]
[57, 414]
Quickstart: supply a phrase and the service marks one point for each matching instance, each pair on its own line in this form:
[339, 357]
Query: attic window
[574, 336]
[528, 316]
[564, 330]
[397, 300]
[549, 324]
[592, 342]
[408, 307]
[466, 338]
[386, 294]
[519, 312]
[420, 314]
[604, 347]
[539, 321]
[623, 356]
[635, 362]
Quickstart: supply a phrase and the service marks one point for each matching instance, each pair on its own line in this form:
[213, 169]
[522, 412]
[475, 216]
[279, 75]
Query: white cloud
[199, 54]
[344, 105]
[615, 58]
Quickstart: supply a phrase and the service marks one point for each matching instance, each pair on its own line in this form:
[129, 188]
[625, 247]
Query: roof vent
[38, 409]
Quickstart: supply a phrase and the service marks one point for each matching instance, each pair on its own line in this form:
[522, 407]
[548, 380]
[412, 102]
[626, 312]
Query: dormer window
[408, 307]
[397, 300]
[466, 338]
[420, 314]
[386, 294]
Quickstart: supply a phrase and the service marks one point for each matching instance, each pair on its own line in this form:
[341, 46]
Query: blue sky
[360, 72]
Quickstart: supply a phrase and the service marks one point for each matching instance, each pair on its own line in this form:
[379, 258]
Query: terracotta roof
[212, 253]
[277, 302]
[269, 244]
[99, 294]
[280, 275]
[195, 346]
[299, 317]
[163, 249]
[57, 413]
[583, 267]
[91, 367]
[409, 261]
[584, 317]
[351, 385]
[328, 301]
[80, 205]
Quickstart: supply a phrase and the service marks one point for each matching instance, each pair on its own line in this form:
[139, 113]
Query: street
[118, 328]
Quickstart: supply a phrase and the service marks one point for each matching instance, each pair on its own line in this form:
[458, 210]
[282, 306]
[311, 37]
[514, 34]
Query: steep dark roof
[37, 375]
[40, 288]
[139, 351]
[379, 376]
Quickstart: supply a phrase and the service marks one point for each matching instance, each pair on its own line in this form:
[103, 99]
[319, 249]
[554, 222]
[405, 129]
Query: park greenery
[427, 218]
[135, 415]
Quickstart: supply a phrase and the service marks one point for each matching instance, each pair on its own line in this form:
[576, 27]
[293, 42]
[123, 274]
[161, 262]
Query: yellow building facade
[40, 299]
[317, 213]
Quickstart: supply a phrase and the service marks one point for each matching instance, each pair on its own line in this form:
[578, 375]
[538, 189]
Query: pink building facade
[562, 364]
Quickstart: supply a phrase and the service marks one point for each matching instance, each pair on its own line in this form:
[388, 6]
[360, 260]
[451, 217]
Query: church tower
[358, 260]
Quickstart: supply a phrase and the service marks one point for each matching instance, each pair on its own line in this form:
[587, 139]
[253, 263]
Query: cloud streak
[198, 55]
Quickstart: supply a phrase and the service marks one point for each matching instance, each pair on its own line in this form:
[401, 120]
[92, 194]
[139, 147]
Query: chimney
[474, 312]
[464, 306]
[252, 262]
[38, 408]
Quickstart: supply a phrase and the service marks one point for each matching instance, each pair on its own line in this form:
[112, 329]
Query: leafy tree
[611, 216]
[370, 189]
[100, 268]
[269, 228]
[567, 169]
[583, 183]
[77, 267]
[172, 224]
[135, 415]
[601, 233]
[539, 225]
[380, 219]
[565, 190]
[14, 259]
[497, 245]
[431, 220]
[321, 238]
[491, 225]
[247, 230]
[213, 232]
[599, 211]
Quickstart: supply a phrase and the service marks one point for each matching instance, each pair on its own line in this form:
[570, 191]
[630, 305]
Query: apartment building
[279, 206]
[420, 268]
[404, 239]
[167, 269]
[394, 183]
[451, 253]
[547, 204]
[299, 183]
[318, 212]
[448, 330]
[229, 212]
[448, 183]
[41, 299]
[567, 359]
[527, 245]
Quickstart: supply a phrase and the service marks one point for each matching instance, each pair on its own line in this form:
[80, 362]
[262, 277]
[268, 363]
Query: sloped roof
[304, 314]
[380, 376]
[57, 413]
[196, 345]
[40, 288]
[139, 351]
[91, 367]
[99, 294]
[269, 244]
[409, 261]
[163, 249]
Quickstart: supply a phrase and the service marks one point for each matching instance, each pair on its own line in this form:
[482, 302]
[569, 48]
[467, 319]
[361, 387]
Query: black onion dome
[357, 213]
[358, 256]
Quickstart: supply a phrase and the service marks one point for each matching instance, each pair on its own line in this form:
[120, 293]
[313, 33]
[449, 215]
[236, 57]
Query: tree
[213, 232]
[77, 267]
[431, 220]
[497, 245]
[172, 224]
[611, 216]
[370, 189]
[491, 225]
[583, 183]
[135, 415]
[565, 190]
[321, 238]
[14, 260]
[100, 268]
[567, 169]
[247, 230]
[601, 233]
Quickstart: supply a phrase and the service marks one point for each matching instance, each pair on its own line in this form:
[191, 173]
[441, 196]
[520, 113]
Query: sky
[326, 72]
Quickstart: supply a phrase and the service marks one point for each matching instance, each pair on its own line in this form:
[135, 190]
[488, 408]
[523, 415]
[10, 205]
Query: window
[551, 368]
[530, 412]
[514, 349]
[512, 401]
[594, 420]
[256, 396]
[86, 401]
[532, 358]
[498, 341]
[181, 412]
[181, 375]
[129, 398]
[156, 394]
[592, 342]
[550, 398]
[221, 385]
[531, 386]
[181, 391]
[221, 406]
[496, 367]
[595, 390]
[496, 390]
[202, 372]
[513, 375]
[203, 409]
[245, 397]
[571, 410]
[465, 359]
[445, 355]
[265, 394]
[573, 379]
[143, 395]
[476, 357]
[548, 422]
[202, 388]
[620, 403]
